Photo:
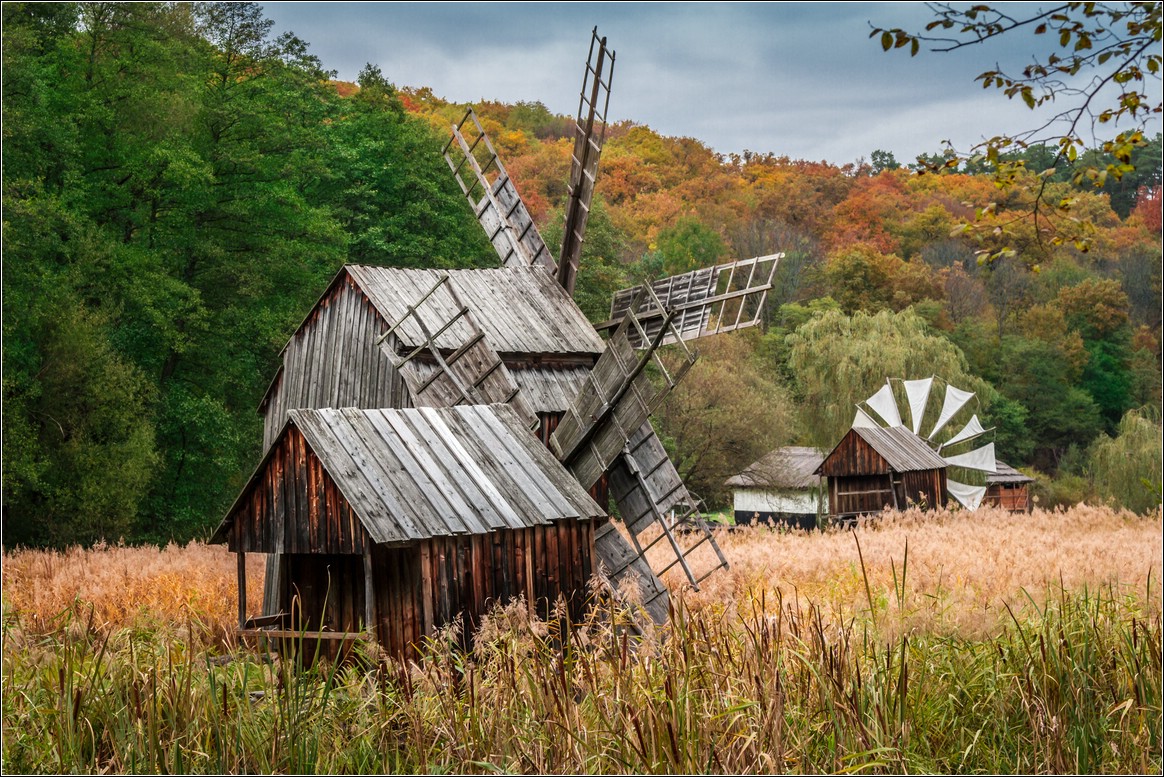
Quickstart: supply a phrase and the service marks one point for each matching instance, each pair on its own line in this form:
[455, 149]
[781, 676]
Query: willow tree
[1126, 468]
[838, 360]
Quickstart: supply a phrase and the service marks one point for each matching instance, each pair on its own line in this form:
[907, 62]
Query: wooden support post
[369, 590]
[242, 589]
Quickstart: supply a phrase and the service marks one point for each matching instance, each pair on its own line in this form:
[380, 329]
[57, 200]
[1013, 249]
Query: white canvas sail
[980, 459]
[968, 496]
[918, 392]
[969, 432]
[955, 400]
[885, 406]
[862, 419]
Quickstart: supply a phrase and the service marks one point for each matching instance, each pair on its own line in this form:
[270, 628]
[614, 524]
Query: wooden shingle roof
[413, 474]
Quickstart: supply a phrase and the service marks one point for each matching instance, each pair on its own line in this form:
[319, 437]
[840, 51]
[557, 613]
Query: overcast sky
[801, 79]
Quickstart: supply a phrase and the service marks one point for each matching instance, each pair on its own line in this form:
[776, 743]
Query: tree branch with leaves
[1105, 57]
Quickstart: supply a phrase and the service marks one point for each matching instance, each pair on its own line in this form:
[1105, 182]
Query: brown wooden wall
[296, 507]
[1014, 497]
[332, 361]
[422, 587]
[854, 456]
[867, 494]
[924, 487]
[858, 495]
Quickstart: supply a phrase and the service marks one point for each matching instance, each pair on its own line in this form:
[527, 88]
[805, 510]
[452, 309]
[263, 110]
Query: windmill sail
[918, 393]
[472, 374]
[972, 429]
[590, 132]
[968, 496]
[980, 459]
[954, 401]
[650, 494]
[885, 405]
[709, 301]
[862, 420]
[496, 203]
[614, 402]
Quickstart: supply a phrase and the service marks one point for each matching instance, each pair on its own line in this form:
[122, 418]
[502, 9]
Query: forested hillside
[179, 185]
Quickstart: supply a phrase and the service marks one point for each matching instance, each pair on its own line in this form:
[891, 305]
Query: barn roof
[1004, 473]
[788, 467]
[521, 310]
[902, 450]
[413, 474]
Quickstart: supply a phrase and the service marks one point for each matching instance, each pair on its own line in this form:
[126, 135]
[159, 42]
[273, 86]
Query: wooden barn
[396, 521]
[782, 487]
[1008, 488]
[873, 468]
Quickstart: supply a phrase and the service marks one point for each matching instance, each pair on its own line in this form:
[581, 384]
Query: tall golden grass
[961, 571]
[936, 642]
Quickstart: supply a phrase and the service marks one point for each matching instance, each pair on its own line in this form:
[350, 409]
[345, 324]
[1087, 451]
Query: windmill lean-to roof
[902, 450]
[790, 467]
[413, 474]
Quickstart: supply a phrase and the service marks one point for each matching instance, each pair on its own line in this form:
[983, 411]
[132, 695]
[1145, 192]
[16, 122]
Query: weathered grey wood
[622, 562]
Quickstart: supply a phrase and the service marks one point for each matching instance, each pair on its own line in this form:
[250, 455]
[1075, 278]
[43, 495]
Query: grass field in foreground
[936, 642]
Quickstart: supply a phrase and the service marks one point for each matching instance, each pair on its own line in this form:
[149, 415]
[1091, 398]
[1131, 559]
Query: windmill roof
[788, 467]
[413, 474]
[1004, 473]
[520, 310]
[902, 450]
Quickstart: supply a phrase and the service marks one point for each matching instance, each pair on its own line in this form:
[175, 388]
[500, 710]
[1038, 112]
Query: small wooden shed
[782, 487]
[873, 468]
[394, 521]
[1008, 488]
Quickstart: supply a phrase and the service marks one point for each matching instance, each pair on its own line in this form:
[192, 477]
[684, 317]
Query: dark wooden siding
[421, 588]
[858, 495]
[600, 491]
[853, 456]
[296, 508]
[332, 361]
[924, 488]
[1014, 497]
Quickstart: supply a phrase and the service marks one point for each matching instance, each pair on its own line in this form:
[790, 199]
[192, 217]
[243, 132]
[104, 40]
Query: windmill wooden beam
[590, 133]
[708, 301]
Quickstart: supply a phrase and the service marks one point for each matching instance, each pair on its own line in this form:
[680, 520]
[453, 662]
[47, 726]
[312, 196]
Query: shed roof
[1004, 473]
[413, 474]
[520, 309]
[792, 466]
[902, 450]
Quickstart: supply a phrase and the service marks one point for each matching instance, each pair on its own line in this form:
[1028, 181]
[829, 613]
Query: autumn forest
[179, 186]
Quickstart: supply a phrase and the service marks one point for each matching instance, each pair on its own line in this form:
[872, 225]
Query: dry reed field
[938, 642]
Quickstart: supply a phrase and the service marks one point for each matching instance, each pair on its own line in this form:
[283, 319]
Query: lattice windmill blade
[470, 374]
[590, 133]
[496, 203]
[886, 410]
[651, 494]
[709, 301]
[616, 399]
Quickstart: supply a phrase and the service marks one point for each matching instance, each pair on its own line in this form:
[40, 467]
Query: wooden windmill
[397, 489]
[605, 433]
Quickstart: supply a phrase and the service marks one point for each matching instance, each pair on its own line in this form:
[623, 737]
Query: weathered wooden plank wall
[421, 588]
[296, 508]
[332, 361]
